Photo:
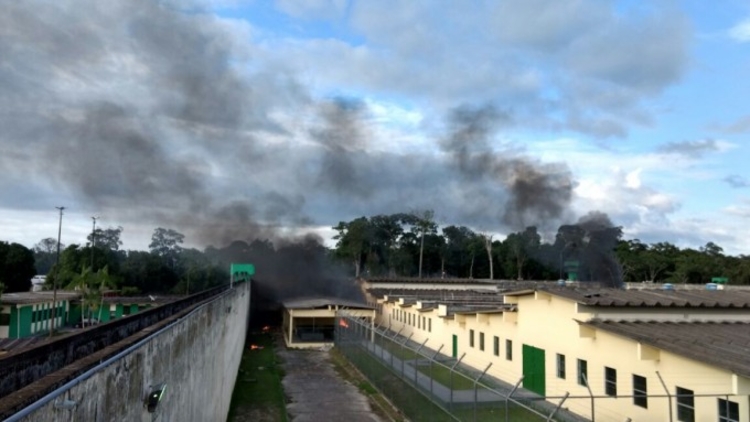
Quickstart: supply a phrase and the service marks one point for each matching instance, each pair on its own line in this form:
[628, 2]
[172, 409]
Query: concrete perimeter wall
[197, 357]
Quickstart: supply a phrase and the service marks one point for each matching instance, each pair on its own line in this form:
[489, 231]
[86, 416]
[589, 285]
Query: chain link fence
[426, 385]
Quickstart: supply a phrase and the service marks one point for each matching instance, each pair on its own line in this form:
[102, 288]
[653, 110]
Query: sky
[235, 120]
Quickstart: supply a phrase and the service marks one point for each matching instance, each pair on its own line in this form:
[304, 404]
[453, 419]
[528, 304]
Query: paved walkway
[317, 393]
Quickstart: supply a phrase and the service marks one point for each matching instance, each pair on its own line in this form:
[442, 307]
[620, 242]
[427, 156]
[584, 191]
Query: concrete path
[317, 393]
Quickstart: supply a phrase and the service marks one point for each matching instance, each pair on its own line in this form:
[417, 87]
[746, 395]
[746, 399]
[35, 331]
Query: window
[729, 411]
[496, 345]
[508, 350]
[4, 319]
[685, 405]
[640, 391]
[419, 322]
[583, 372]
[471, 338]
[429, 325]
[560, 366]
[610, 381]
[481, 341]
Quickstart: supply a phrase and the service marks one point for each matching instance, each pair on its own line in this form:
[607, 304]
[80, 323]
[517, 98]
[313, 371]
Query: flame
[343, 323]
[266, 328]
[255, 347]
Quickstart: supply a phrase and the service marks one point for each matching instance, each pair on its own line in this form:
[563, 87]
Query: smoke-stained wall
[198, 358]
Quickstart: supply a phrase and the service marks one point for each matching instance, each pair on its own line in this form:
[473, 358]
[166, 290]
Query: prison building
[607, 354]
[310, 322]
[26, 314]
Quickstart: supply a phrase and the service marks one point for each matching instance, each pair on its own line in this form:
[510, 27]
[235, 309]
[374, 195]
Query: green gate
[533, 369]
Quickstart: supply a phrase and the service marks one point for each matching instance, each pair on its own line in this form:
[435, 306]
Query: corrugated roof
[652, 298]
[323, 302]
[429, 280]
[442, 296]
[37, 297]
[722, 344]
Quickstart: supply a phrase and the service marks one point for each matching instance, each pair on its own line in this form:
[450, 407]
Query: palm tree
[104, 282]
[81, 283]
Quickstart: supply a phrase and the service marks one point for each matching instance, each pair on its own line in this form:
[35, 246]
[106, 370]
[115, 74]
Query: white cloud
[741, 31]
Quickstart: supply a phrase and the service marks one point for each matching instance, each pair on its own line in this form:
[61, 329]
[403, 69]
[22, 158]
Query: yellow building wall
[549, 323]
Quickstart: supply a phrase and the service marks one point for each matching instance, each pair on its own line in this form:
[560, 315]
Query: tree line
[414, 245]
[100, 265]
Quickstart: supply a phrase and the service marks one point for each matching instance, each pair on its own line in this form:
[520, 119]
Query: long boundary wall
[197, 354]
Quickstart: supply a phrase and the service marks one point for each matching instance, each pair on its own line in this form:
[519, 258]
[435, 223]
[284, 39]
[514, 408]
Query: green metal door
[455, 346]
[533, 369]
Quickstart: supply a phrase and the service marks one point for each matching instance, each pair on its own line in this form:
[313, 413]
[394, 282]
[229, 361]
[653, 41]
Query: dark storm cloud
[691, 149]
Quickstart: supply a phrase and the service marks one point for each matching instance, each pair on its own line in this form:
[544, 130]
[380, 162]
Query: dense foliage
[396, 245]
[593, 248]
[101, 265]
[16, 267]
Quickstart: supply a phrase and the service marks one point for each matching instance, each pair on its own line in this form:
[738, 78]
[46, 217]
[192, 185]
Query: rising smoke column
[537, 193]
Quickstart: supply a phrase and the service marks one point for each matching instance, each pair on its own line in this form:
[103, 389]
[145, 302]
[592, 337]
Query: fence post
[392, 340]
[559, 405]
[403, 377]
[669, 396]
[476, 396]
[432, 359]
[450, 404]
[507, 398]
[593, 413]
[416, 363]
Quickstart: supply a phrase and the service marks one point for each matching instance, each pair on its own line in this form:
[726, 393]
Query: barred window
[640, 391]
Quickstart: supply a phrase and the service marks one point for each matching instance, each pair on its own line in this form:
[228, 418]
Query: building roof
[651, 298]
[429, 280]
[154, 300]
[323, 302]
[440, 296]
[22, 298]
[722, 344]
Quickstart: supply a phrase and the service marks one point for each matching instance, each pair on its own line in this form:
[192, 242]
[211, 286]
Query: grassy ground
[417, 407]
[258, 395]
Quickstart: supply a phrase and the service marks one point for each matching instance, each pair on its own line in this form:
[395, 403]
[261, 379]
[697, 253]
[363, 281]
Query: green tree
[423, 223]
[45, 254]
[165, 243]
[16, 267]
[352, 240]
[522, 246]
[106, 239]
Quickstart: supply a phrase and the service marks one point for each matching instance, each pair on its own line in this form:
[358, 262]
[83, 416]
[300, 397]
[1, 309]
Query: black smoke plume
[537, 193]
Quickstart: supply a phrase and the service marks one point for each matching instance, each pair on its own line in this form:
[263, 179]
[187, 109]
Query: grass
[442, 375]
[418, 407]
[258, 391]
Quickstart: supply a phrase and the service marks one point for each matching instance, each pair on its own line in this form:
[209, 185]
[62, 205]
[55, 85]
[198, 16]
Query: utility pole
[93, 240]
[57, 274]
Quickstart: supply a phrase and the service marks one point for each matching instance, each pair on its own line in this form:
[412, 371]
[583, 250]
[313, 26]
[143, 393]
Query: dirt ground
[316, 392]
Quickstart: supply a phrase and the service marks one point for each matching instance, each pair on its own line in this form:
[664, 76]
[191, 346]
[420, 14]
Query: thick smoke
[591, 242]
[157, 116]
[343, 136]
[537, 193]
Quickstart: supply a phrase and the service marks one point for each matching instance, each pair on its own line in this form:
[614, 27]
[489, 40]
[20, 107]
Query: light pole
[57, 274]
[93, 240]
